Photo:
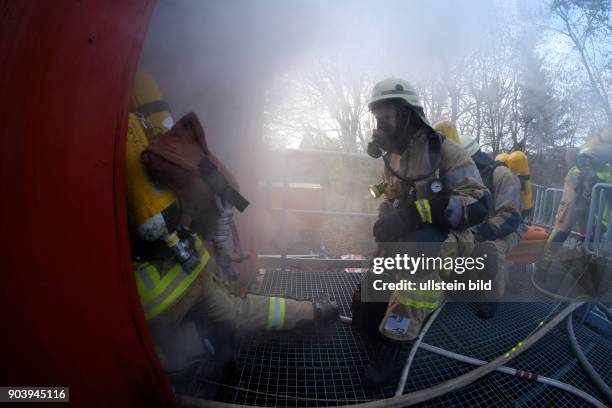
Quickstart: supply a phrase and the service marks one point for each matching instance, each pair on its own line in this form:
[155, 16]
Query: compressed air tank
[150, 106]
[519, 164]
[145, 200]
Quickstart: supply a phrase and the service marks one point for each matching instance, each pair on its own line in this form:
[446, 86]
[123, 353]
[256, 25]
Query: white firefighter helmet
[396, 88]
[470, 144]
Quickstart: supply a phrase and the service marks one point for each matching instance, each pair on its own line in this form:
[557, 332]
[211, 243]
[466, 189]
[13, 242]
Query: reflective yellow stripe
[152, 289]
[419, 304]
[177, 285]
[276, 313]
[198, 244]
[270, 312]
[424, 210]
[420, 209]
[282, 314]
[147, 279]
[159, 285]
[428, 210]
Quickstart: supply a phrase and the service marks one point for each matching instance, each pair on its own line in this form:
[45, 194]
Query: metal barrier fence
[601, 201]
[546, 204]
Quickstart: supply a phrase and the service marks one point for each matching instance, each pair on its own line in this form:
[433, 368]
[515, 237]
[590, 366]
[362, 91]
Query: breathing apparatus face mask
[389, 135]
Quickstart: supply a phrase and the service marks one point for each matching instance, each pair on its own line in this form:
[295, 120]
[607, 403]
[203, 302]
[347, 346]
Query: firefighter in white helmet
[439, 196]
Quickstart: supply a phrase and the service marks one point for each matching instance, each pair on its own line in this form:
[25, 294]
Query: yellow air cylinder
[519, 164]
[448, 129]
[148, 101]
[145, 201]
[503, 157]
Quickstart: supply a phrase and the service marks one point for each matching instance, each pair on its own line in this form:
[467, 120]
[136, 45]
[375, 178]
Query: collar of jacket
[418, 141]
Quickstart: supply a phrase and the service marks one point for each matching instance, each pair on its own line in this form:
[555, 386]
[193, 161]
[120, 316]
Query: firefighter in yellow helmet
[503, 225]
[177, 271]
[503, 157]
[440, 195]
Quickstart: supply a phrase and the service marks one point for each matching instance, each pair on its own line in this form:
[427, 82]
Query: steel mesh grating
[323, 367]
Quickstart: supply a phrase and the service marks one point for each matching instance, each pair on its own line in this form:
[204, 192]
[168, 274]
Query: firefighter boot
[486, 310]
[379, 370]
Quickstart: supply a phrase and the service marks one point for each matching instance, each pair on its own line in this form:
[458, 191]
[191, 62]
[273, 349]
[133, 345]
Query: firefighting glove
[484, 232]
[324, 309]
[396, 224]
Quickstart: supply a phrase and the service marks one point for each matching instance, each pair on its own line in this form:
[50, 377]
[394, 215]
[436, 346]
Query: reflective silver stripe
[511, 196]
[421, 209]
[454, 210]
[395, 91]
[146, 279]
[469, 146]
[276, 318]
[455, 177]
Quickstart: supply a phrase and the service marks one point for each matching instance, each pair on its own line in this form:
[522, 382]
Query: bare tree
[586, 23]
[327, 108]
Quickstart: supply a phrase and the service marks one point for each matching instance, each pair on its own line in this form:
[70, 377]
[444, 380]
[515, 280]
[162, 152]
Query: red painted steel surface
[69, 308]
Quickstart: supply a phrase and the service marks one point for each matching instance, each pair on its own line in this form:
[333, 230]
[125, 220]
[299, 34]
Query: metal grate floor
[323, 367]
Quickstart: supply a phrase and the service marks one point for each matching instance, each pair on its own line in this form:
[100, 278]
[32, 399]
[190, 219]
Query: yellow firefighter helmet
[503, 157]
[518, 163]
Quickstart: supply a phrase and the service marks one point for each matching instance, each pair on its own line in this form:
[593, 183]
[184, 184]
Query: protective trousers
[408, 310]
[497, 273]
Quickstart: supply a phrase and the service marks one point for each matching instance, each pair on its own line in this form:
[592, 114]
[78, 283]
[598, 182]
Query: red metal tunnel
[70, 312]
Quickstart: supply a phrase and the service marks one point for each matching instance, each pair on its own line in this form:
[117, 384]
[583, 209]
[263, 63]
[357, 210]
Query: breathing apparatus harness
[224, 233]
[408, 182]
[486, 167]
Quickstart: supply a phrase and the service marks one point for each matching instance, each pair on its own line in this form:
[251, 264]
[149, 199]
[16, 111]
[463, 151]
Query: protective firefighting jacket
[468, 204]
[505, 213]
[469, 200]
[575, 200]
[163, 283]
